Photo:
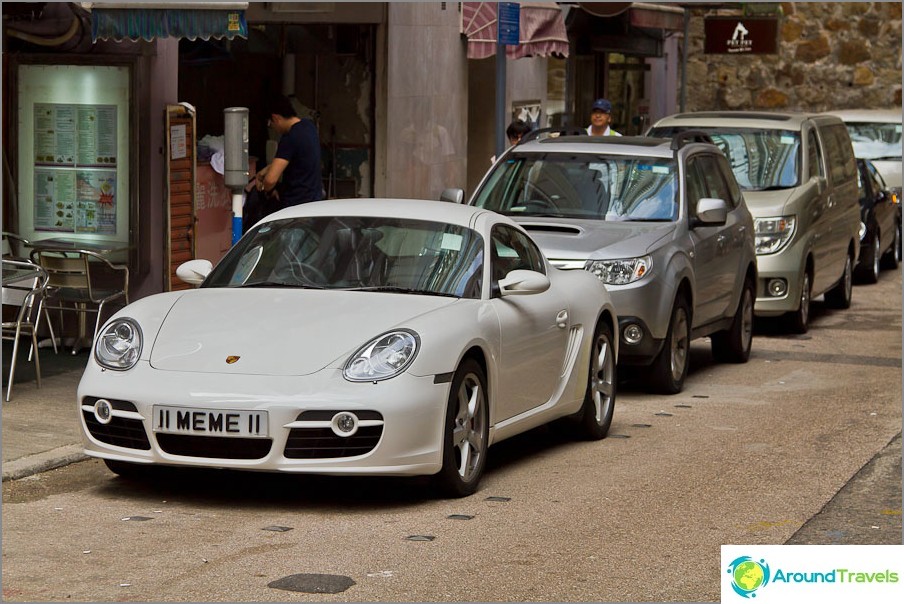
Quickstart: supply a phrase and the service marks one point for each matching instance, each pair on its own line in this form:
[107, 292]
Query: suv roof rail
[551, 133]
[690, 136]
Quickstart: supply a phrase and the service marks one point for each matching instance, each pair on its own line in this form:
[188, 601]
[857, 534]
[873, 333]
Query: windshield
[592, 187]
[356, 253]
[876, 140]
[760, 159]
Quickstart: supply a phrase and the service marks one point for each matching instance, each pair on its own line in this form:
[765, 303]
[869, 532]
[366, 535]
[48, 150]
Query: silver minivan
[800, 181]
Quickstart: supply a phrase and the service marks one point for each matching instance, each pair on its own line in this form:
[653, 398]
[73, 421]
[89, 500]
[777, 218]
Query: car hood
[584, 239]
[769, 203]
[277, 332]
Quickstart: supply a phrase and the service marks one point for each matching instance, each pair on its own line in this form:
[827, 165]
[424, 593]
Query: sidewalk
[40, 426]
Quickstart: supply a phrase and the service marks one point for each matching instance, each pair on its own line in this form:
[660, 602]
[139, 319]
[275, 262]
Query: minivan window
[761, 159]
[842, 166]
[582, 186]
[814, 156]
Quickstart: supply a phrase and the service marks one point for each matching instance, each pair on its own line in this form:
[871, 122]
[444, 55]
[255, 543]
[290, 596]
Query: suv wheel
[670, 367]
[840, 295]
[799, 320]
[733, 344]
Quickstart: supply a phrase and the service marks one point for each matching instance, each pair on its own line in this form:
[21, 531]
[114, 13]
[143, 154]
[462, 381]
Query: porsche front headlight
[383, 357]
[118, 346]
[620, 272]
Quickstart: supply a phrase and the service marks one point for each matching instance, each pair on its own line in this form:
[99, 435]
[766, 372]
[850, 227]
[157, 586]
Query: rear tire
[465, 432]
[798, 321]
[733, 344]
[670, 367]
[840, 295]
[892, 257]
[602, 382]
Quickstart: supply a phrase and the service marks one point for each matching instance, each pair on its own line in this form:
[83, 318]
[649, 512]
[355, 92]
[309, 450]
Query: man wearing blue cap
[600, 117]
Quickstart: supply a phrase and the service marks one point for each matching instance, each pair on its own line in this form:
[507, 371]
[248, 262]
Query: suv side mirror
[453, 195]
[711, 212]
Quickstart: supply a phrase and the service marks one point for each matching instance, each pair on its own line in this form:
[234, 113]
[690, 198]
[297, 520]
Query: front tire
[130, 471]
[840, 295]
[466, 432]
[602, 381]
[670, 367]
[733, 344]
[799, 320]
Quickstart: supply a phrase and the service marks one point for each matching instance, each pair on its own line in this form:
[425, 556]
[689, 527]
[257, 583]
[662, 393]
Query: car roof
[615, 145]
[886, 116]
[418, 209]
[786, 120]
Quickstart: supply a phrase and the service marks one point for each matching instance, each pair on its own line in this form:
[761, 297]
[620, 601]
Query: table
[70, 244]
[14, 273]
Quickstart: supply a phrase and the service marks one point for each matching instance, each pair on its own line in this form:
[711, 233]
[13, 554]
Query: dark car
[880, 224]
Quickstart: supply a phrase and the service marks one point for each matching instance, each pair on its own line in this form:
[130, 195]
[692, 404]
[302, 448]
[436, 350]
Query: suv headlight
[620, 272]
[118, 346]
[773, 233]
[384, 357]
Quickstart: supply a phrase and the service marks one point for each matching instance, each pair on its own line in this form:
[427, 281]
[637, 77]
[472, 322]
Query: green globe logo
[748, 575]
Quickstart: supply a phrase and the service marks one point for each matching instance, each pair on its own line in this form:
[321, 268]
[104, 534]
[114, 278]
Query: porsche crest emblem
[232, 359]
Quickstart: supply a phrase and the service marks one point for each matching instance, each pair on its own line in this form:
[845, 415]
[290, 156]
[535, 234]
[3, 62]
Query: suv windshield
[592, 187]
[876, 140]
[761, 160]
[356, 252]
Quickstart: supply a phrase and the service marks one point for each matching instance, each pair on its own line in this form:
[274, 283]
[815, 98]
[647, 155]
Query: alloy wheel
[469, 428]
[680, 344]
[602, 382]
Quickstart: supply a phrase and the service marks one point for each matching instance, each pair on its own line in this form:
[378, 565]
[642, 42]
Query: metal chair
[14, 248]
[30, 280]
[73, 279]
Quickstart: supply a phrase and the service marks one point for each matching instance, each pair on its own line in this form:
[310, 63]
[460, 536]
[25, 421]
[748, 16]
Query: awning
[541, 31]
[631, 28]
[640, 14]
[121, 21]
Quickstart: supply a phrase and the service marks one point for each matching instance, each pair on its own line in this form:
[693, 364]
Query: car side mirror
[521, 282]
[194, 272]
[711, 212]
[453, 195]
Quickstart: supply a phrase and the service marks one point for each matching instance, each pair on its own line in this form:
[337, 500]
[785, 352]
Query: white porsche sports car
[360, 336]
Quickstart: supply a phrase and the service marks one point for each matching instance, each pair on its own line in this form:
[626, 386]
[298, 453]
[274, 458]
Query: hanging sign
[509, 20]
[740, 35]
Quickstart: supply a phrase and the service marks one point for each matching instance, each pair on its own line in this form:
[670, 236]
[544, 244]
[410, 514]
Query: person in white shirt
[600, 118]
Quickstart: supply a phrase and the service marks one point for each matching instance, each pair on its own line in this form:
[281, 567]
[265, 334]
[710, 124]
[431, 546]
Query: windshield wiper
[399, 290]
[887, 158]
[280, 284]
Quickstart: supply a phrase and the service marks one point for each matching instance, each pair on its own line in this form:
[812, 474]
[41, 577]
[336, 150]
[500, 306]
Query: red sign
[740, 35]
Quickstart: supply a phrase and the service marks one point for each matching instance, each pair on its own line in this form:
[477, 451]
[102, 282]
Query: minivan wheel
[868, 268]
[840, 295]
[733, 344]
[799, 320]
[893, 256]
[670, 367]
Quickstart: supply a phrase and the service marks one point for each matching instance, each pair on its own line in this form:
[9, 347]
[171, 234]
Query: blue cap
[602, 105]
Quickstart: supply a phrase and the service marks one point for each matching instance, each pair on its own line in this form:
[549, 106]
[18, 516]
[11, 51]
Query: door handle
[562, 319]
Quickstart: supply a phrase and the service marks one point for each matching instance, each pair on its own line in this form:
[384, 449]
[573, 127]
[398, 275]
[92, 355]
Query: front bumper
[788, 265]
[404, 419]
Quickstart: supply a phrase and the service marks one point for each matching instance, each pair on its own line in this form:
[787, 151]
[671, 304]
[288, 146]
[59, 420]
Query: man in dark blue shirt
[297, 158]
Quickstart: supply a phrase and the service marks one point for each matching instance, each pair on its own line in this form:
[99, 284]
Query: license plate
[210, 422]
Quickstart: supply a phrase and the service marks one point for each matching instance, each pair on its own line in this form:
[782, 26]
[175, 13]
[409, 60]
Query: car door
[831, 246]
[884, 208]
[715, 247]
[817, 219]
[534, 328]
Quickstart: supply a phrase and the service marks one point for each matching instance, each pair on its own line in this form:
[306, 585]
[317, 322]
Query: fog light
[633, 333]
[344, 424]
[777, 287]
[103, 411]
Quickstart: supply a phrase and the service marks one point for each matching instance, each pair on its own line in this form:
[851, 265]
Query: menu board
[75, 162]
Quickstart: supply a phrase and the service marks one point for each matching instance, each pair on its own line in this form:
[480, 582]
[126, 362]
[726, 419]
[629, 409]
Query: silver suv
[662, 222]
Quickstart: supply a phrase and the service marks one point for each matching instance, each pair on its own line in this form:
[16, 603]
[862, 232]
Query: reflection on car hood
[582, 239]
[276, 331]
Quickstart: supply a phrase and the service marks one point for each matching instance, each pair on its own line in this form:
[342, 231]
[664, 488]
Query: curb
[41, 462]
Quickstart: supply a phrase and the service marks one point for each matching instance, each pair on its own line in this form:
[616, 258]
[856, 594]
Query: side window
[513, 250]
[839, 154]
[814, 157]
[695, 185]
[734, 189]
[712, 175]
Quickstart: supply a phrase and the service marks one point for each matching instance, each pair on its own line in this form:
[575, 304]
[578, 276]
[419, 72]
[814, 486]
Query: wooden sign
[740, 35]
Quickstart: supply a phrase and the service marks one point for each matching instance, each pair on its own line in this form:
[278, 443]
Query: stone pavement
[40, 428]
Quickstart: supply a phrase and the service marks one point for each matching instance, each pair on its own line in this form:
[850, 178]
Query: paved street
[800, 445]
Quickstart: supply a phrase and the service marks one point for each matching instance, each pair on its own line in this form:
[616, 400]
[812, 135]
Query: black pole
[500, 94]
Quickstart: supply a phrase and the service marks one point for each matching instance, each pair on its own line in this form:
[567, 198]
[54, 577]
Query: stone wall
[832, 55]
